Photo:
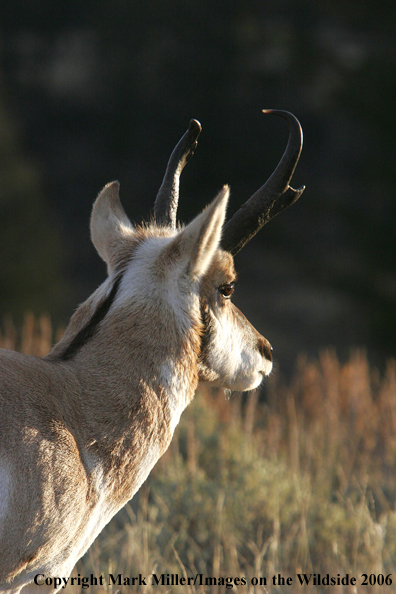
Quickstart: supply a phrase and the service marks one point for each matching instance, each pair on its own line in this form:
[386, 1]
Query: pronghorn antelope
[81, 429]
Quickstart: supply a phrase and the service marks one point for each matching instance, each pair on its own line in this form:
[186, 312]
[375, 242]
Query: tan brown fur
[82, 428]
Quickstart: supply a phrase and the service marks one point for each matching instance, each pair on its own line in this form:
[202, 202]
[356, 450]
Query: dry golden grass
[304, 482]
[32, 337]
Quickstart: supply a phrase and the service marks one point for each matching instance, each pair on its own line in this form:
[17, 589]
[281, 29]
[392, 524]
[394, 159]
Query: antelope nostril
[265, 348]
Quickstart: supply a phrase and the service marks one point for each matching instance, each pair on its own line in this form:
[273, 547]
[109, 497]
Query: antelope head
[233, 354]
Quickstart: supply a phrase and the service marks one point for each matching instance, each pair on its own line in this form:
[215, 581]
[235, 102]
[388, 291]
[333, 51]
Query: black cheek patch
[206, 324]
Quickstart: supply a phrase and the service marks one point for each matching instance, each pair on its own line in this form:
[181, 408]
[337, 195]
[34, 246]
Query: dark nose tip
[265, 348]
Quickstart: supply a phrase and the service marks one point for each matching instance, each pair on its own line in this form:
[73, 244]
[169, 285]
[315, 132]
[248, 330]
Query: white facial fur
[233, 353]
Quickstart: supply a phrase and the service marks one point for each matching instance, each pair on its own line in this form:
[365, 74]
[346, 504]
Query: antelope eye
[227, 290]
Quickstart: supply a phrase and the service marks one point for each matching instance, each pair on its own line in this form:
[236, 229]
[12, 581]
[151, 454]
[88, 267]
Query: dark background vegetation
[94, 91]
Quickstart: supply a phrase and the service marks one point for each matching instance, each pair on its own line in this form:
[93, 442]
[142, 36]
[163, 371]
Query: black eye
[227, 290]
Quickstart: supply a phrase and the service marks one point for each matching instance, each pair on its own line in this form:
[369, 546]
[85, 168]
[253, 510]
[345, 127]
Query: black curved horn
[274, 196]
[166, 202]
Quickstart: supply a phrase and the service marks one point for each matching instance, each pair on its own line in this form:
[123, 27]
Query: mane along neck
[85, 321]
[129, 347]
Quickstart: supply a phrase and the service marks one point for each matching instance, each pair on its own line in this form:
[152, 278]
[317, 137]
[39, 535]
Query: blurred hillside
[97, 91]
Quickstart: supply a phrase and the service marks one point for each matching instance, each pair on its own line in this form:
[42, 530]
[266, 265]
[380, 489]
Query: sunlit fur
[81, 429]
[232, 355]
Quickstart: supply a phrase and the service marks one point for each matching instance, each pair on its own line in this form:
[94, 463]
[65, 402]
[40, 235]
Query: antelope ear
[110, 226]
[201, 238]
